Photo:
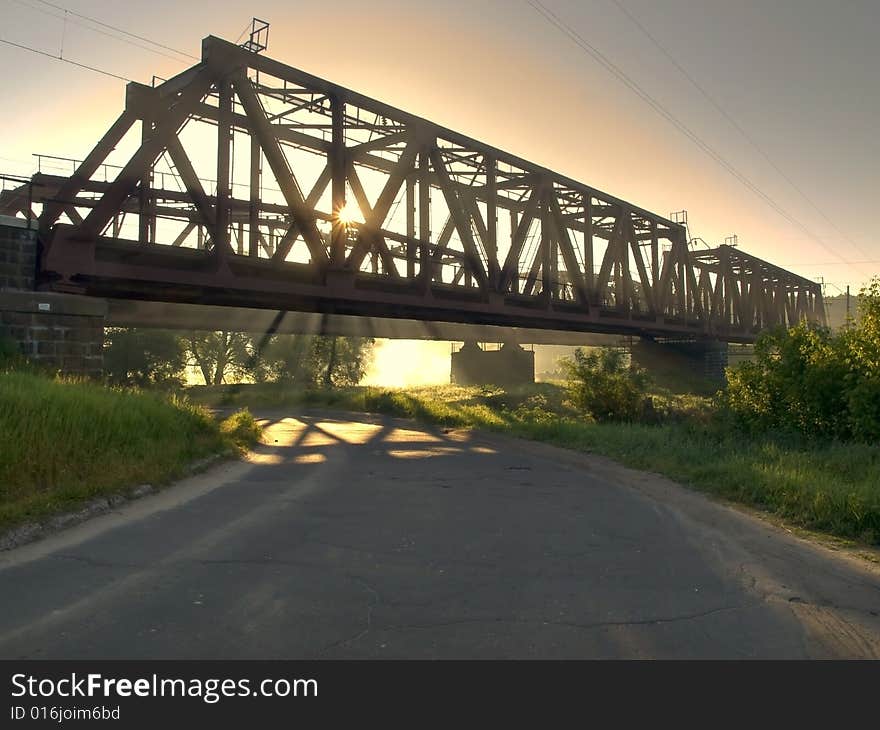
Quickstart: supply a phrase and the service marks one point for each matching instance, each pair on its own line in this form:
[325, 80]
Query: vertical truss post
[254, 209]
[224, 145]
[593, 297]
[411, 248]
[655, 262]
[338, 164]
[492, 223]
[556, 290]
[617, 263]
[144, 212]
[425, 270]
[682, 275]
[546, 282]
[625, 244]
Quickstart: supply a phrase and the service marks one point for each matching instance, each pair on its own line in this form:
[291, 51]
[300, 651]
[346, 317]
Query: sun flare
[349, 213]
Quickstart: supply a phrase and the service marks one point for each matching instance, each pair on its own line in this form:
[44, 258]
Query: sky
[796, 82]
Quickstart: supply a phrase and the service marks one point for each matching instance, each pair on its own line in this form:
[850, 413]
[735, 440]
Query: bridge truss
[251, 183]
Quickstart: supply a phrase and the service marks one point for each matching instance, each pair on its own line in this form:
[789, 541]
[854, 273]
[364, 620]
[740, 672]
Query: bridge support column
[18, 254]
[61, 332]
[511, 365]
[695, 358]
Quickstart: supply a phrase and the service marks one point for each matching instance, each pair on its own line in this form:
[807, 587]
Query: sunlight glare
[403, 363]
[349, 213]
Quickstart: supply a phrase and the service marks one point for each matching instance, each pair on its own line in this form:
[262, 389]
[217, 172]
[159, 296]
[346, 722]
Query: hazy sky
[800, 77]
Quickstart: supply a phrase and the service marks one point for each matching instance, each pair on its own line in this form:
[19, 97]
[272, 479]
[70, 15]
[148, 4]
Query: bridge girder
[304, 213]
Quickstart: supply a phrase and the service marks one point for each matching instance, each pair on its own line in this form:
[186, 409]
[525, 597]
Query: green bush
[143, 357]
[811, 381]
[242, 428]
[603, 387]
[864, 410]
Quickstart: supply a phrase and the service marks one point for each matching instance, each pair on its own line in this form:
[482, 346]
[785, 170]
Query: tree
[343, 360]
[220, 356]
[143, 357]
[861, 344]
[601, 385]
[290, 359]
[312, 360]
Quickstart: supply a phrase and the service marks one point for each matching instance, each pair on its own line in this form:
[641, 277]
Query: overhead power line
[830, 263]
[618, 73]
[65, 60]
[243, 33]
[745, 135]
[65, 19]
[68, 12]
[118, 29]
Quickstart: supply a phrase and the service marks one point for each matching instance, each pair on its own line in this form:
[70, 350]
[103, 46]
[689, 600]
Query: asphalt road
[364, 537]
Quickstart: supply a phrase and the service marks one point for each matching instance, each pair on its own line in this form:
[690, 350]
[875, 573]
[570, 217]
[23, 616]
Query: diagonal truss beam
[167, 124]
[374, 217]
[303, 216]
[462, 219]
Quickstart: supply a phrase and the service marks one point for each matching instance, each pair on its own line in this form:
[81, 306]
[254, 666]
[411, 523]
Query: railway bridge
[246, 193]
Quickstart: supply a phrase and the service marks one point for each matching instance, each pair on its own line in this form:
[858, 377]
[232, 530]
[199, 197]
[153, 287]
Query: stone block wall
[60, 332]
[18, 256]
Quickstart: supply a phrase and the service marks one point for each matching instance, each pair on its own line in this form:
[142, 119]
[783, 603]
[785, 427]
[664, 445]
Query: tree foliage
[220, 357]
[312, 360]
[810, 380]
[601, 385]
[143, 357]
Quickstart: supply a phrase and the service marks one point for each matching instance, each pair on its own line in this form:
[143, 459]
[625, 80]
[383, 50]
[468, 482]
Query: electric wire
[118, 30]
[242, 34]
[65, 60]
[738, 127]
[618, 73]
[67, 19]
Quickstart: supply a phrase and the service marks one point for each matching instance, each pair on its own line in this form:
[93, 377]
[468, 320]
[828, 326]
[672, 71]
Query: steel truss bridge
[250, 183]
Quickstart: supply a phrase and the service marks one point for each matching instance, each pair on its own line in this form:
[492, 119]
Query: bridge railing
[17, 198]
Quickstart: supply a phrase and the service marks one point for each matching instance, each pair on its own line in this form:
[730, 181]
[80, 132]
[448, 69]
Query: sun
[349, 213]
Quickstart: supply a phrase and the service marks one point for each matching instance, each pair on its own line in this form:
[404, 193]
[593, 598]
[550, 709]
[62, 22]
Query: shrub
[242, 428]
[797, 382]
[535, 409]
[602, 386]
[143, 357]
[810, 381]
[864, 410]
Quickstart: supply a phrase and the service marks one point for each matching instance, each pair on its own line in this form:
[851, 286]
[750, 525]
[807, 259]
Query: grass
[830, 487]
[63, 442]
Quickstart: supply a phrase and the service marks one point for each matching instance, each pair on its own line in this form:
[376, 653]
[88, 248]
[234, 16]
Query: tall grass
[63, 441]
[830, 486]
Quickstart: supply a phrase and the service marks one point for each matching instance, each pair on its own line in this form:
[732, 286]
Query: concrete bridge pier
[701, 358]
[510, 365]
[60, 332]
